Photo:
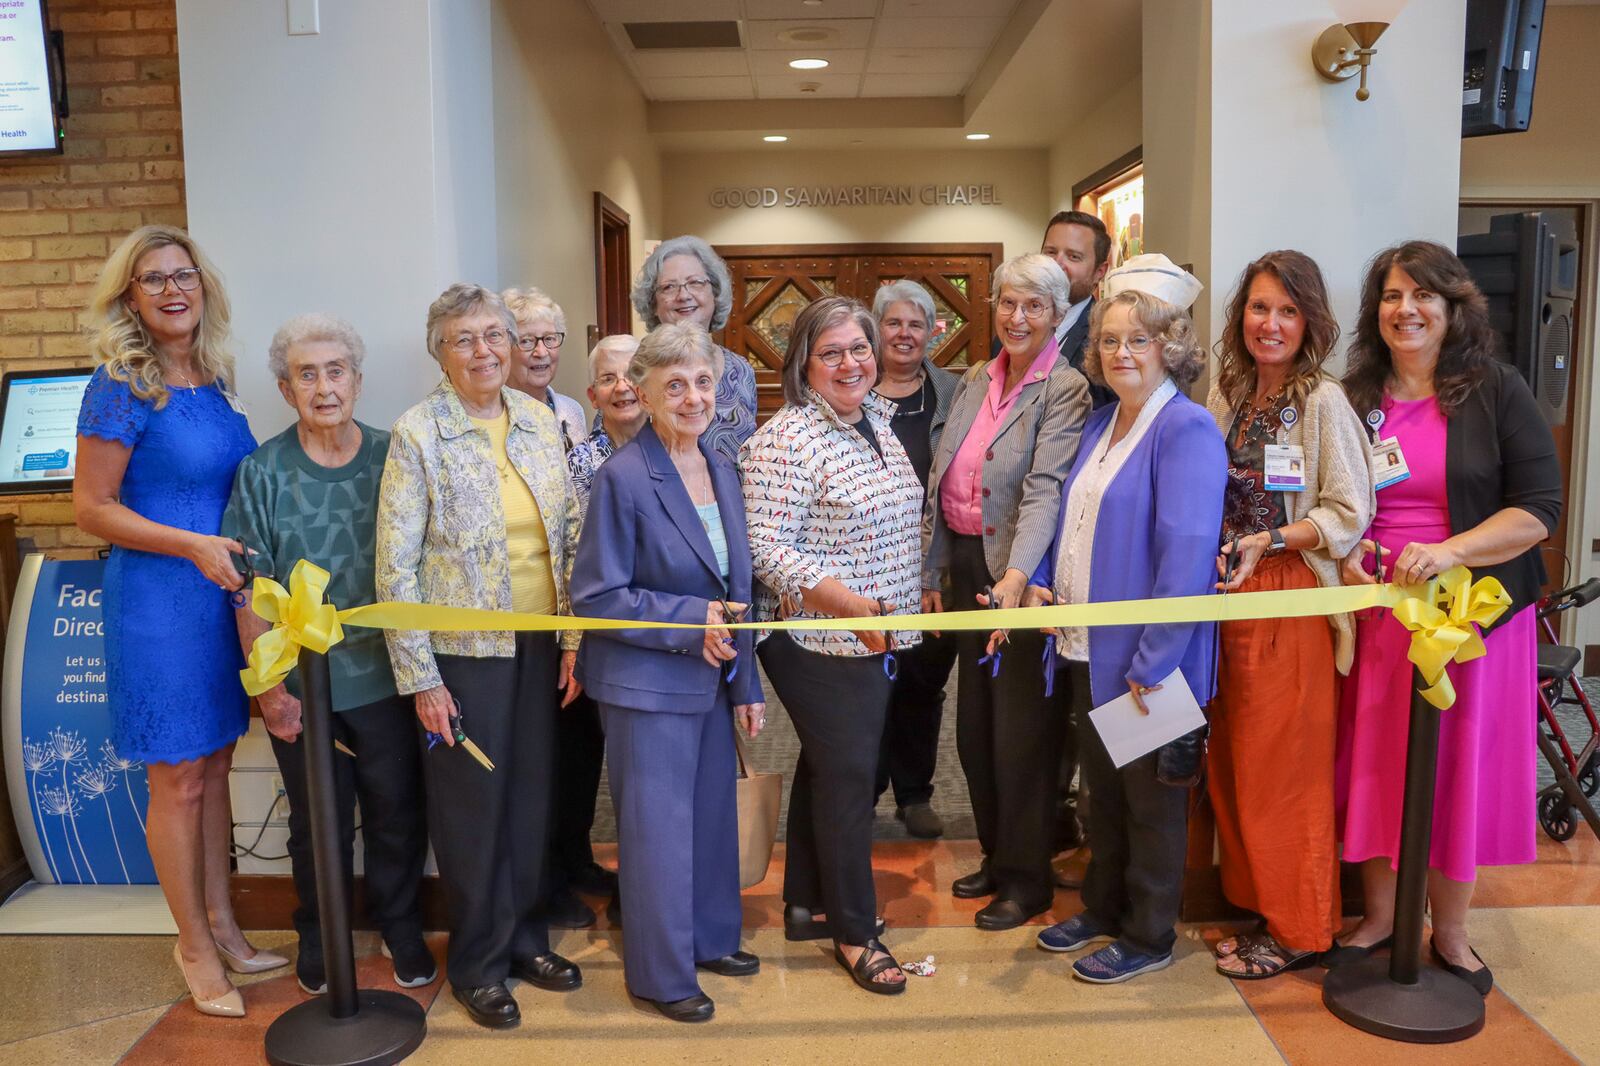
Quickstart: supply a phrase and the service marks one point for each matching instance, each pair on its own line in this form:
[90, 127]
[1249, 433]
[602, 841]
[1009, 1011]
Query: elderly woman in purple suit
[1140, 513]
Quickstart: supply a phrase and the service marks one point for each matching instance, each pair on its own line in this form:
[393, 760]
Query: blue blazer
[644, 555]
[1157, 535]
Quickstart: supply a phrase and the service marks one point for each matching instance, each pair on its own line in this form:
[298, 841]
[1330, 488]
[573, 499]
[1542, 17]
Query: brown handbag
[758, 797]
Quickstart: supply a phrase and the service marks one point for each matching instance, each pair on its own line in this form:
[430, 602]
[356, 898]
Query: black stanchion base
[1438, 1009]
[387, 1027]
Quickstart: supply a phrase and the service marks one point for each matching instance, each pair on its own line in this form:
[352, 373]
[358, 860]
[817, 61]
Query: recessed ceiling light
[808, 64]
[812, 3]
[774, 138]
[977, 136]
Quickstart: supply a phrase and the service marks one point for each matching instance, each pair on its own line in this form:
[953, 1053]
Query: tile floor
[995, 997]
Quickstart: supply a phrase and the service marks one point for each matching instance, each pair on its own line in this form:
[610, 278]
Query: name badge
[1388, 464]
[1286, 467]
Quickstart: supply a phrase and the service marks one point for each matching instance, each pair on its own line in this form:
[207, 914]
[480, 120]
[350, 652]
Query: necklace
[903, 408]
[185, 379]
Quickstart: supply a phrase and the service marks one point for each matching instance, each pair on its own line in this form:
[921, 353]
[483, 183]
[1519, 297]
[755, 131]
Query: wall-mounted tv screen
[30, 115]
[39, 428]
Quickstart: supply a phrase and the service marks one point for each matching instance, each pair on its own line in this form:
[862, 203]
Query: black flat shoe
[869, 964]
[694, 1009]
[1481, 980]
[739, 964]
[1006, 914]
[1342, 955]
[550, 972]
[566, 911]
[491, 1006]
[975, 885]
[798, 925]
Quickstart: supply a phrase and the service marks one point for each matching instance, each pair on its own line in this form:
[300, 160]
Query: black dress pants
[386, 777]
[916, 708]
[1009, 735]
[490, 830]
[1138, 839]
[580, 752]
[837, 704]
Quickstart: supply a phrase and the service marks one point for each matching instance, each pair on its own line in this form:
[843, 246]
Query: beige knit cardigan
[1338, 498]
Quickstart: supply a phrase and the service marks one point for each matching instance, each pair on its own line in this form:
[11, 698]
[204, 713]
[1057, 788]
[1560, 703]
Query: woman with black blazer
[664, 540]
[1483, 490]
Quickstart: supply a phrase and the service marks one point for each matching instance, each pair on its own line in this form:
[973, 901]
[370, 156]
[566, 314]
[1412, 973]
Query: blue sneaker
[1072, 934]
[1114, 963]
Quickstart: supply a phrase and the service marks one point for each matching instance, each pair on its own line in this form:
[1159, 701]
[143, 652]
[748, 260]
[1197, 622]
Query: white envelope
[1129, 734]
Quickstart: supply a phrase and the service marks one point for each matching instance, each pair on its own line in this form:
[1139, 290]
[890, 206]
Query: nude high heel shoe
[228, 1005]
[260, 962]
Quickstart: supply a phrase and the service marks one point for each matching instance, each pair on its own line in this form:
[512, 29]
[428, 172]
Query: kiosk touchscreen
[39, 429]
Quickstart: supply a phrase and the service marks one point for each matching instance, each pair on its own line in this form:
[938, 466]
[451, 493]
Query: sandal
[1264, 957]
[1240, 940]
[869, 964]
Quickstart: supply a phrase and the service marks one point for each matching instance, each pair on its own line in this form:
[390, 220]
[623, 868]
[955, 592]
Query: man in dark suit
[1080, 245]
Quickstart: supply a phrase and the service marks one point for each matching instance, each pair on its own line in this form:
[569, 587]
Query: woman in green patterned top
[311, 493]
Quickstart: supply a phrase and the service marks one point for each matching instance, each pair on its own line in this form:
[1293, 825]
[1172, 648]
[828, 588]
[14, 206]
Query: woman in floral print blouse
[834, 512]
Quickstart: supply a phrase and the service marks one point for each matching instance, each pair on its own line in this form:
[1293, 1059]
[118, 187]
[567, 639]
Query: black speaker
[1502, 56]
[1527, 267]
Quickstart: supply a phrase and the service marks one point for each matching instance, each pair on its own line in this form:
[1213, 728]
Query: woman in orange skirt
[1299, 498]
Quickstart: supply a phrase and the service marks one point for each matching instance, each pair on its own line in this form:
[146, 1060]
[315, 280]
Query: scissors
[730, 615]
[891, 667]
[246, 565]
[993, 658]
[461, 738]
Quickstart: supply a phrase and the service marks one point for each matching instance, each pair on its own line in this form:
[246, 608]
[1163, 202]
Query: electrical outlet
[277, 785]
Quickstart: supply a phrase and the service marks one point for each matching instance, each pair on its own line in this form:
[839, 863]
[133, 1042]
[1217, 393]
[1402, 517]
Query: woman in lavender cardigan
[1140, 514]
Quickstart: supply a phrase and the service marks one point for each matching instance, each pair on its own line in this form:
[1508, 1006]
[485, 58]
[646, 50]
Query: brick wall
[61, 215]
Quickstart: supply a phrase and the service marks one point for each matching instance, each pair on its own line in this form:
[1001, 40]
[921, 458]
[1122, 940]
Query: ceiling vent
[648, 36]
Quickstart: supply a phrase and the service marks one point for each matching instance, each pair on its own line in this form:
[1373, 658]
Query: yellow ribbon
[1440, 616]
[301, 619]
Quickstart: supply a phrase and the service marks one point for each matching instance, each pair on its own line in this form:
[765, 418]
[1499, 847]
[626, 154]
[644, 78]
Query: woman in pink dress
[1484, 491]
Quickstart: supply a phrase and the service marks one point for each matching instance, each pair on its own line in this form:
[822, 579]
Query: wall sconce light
[1343, 50]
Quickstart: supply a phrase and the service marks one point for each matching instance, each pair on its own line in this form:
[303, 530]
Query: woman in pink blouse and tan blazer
[833, 508]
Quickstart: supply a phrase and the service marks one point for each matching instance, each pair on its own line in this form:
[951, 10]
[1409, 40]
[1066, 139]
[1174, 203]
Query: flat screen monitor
[39, 429]
[30, 99]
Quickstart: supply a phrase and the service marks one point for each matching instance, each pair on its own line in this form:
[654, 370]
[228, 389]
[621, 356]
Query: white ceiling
[874, 48]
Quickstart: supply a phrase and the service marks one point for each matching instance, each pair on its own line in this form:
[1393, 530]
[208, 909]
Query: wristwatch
[1276, 536]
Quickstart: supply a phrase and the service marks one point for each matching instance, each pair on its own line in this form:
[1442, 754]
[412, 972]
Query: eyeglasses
[468, 342]
[1138, 344]
[695, 286]
[1032, 310]
[154, 283]
[834, 357]
[606, 381]
[551, 341]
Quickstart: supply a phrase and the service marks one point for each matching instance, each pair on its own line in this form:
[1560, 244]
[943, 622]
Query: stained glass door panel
[771, 285]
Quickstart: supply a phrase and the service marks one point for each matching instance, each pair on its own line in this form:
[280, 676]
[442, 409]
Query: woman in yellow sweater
[475, 511]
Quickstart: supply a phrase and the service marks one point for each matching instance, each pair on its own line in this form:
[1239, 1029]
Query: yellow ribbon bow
[299, 619]
[1440, 616]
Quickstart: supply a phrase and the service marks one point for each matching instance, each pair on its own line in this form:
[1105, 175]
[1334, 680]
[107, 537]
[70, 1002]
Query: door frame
[610, 318]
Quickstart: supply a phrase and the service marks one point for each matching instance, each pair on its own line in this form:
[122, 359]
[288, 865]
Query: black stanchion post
[349, 1026]
[1398, 998]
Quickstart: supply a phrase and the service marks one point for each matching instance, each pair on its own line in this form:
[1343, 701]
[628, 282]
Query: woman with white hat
[1139, 516]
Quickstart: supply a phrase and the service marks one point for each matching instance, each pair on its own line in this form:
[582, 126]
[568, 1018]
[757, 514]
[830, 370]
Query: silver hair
[312, 329]
[1036, 274]
[530, 303]
[674, 345]
[459, 300]
[644, 285]
[620, 343]
[903, 291]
